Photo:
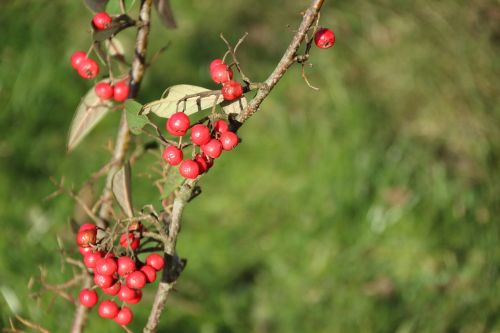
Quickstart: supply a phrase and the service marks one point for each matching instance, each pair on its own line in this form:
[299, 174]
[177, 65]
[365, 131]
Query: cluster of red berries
[118, 91]
[223, 74]
[121, 277]
[211, 142]
[324, 38]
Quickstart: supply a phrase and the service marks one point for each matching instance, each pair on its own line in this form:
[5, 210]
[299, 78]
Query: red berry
[124, 316]
[121, 90]
[229, 140]
[90, 260]
[101, 20]
[85, 250]
[108, 309]
[200, 134]
[202, 162]
[221, 73]
[231, 90]
[126, 293]
[136, 299]
[76, 59]
[113, 290]
[189, 169]
[214, 63]
[136, 280]
[85, 238]
[103, 281]
[104, 90]
[106, 266]
[88, 298]
[212, 149]
[178, 124]
[88, 226]
[125, 266]
[155, 260]
[149, 272]
[125, 239]
[220, 126]
[324, 38]
[172, 155]
[88, 68]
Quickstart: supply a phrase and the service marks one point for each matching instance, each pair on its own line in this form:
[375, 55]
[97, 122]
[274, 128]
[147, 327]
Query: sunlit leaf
[96, 5]
[113, 7]
[173, 181]
[88, 114]
[135, 121]
[122, 189]
[235, 106]
[170, 104]
[165, 13]
[118, 24]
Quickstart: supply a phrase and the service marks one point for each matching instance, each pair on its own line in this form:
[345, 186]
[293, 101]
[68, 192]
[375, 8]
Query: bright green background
[369, 206]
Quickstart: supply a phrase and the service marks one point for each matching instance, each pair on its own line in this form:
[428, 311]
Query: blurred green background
[369, 206]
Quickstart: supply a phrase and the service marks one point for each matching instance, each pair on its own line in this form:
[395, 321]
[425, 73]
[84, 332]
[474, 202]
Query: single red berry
[126, 293]
[136, 280]
[108, 309]
[102, 20]
[149, 272]
[156, 261]
[124, 316]
[189, 169]
[85, 238]
[88, 226]
[231, 90]
[324, 38]
[113, 290]
[220, 126]
[136, 299]
[202, 162]
[121, 91]
[88, 68]
[178, 124]
[129, 239]
[88, 298]
[221, 73]
[104, 90]
[229, 140]
[214, 63]
[172, 155]
[90, 260]
[200, 134]
[85, 250]
[125, 266]
[212, 149]
[103, 281]
[76, 59]
[106, 266]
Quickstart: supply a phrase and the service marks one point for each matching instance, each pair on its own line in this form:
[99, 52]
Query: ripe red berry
[85, 250]
[113, 290]
[88, 298]
[127, 238]
[231, 90]
[126, 293]
[229, 140]
[88, 68]
[90, 260]
[125, 266]
[103, 281]
[324, 38]
[214, 63]
[121, 90]
[178, 124]
[136, 280]
[124, 316]
[221, 73]
[212, 149]
[189, 169]
[220, 126]
[85, 238]
[200, 134]
[101, 20]
[136, 299]
[108, 309]
[202, 162]
[88, 226]
[104, 90]
[156, 261]
[172, 155]
[149, 272]
[106, 266]
[76, 58]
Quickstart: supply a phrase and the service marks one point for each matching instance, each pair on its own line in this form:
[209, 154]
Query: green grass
[369, 206]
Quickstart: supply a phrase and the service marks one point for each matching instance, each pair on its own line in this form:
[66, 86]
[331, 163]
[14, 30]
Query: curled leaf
[165, 13]
[122, 189]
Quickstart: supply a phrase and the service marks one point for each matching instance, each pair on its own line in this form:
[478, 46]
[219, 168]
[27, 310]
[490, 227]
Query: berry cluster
[223, 74]
[211, 139]
[121, 277]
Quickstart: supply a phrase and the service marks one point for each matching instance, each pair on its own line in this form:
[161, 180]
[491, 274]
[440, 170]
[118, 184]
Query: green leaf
[168, 105]
[118, 24]
[165, 13]
[113, 6]
[88, 114]
[135, 121]
[122, 189]
[96, 5]
[235, 106]
[173, 181]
